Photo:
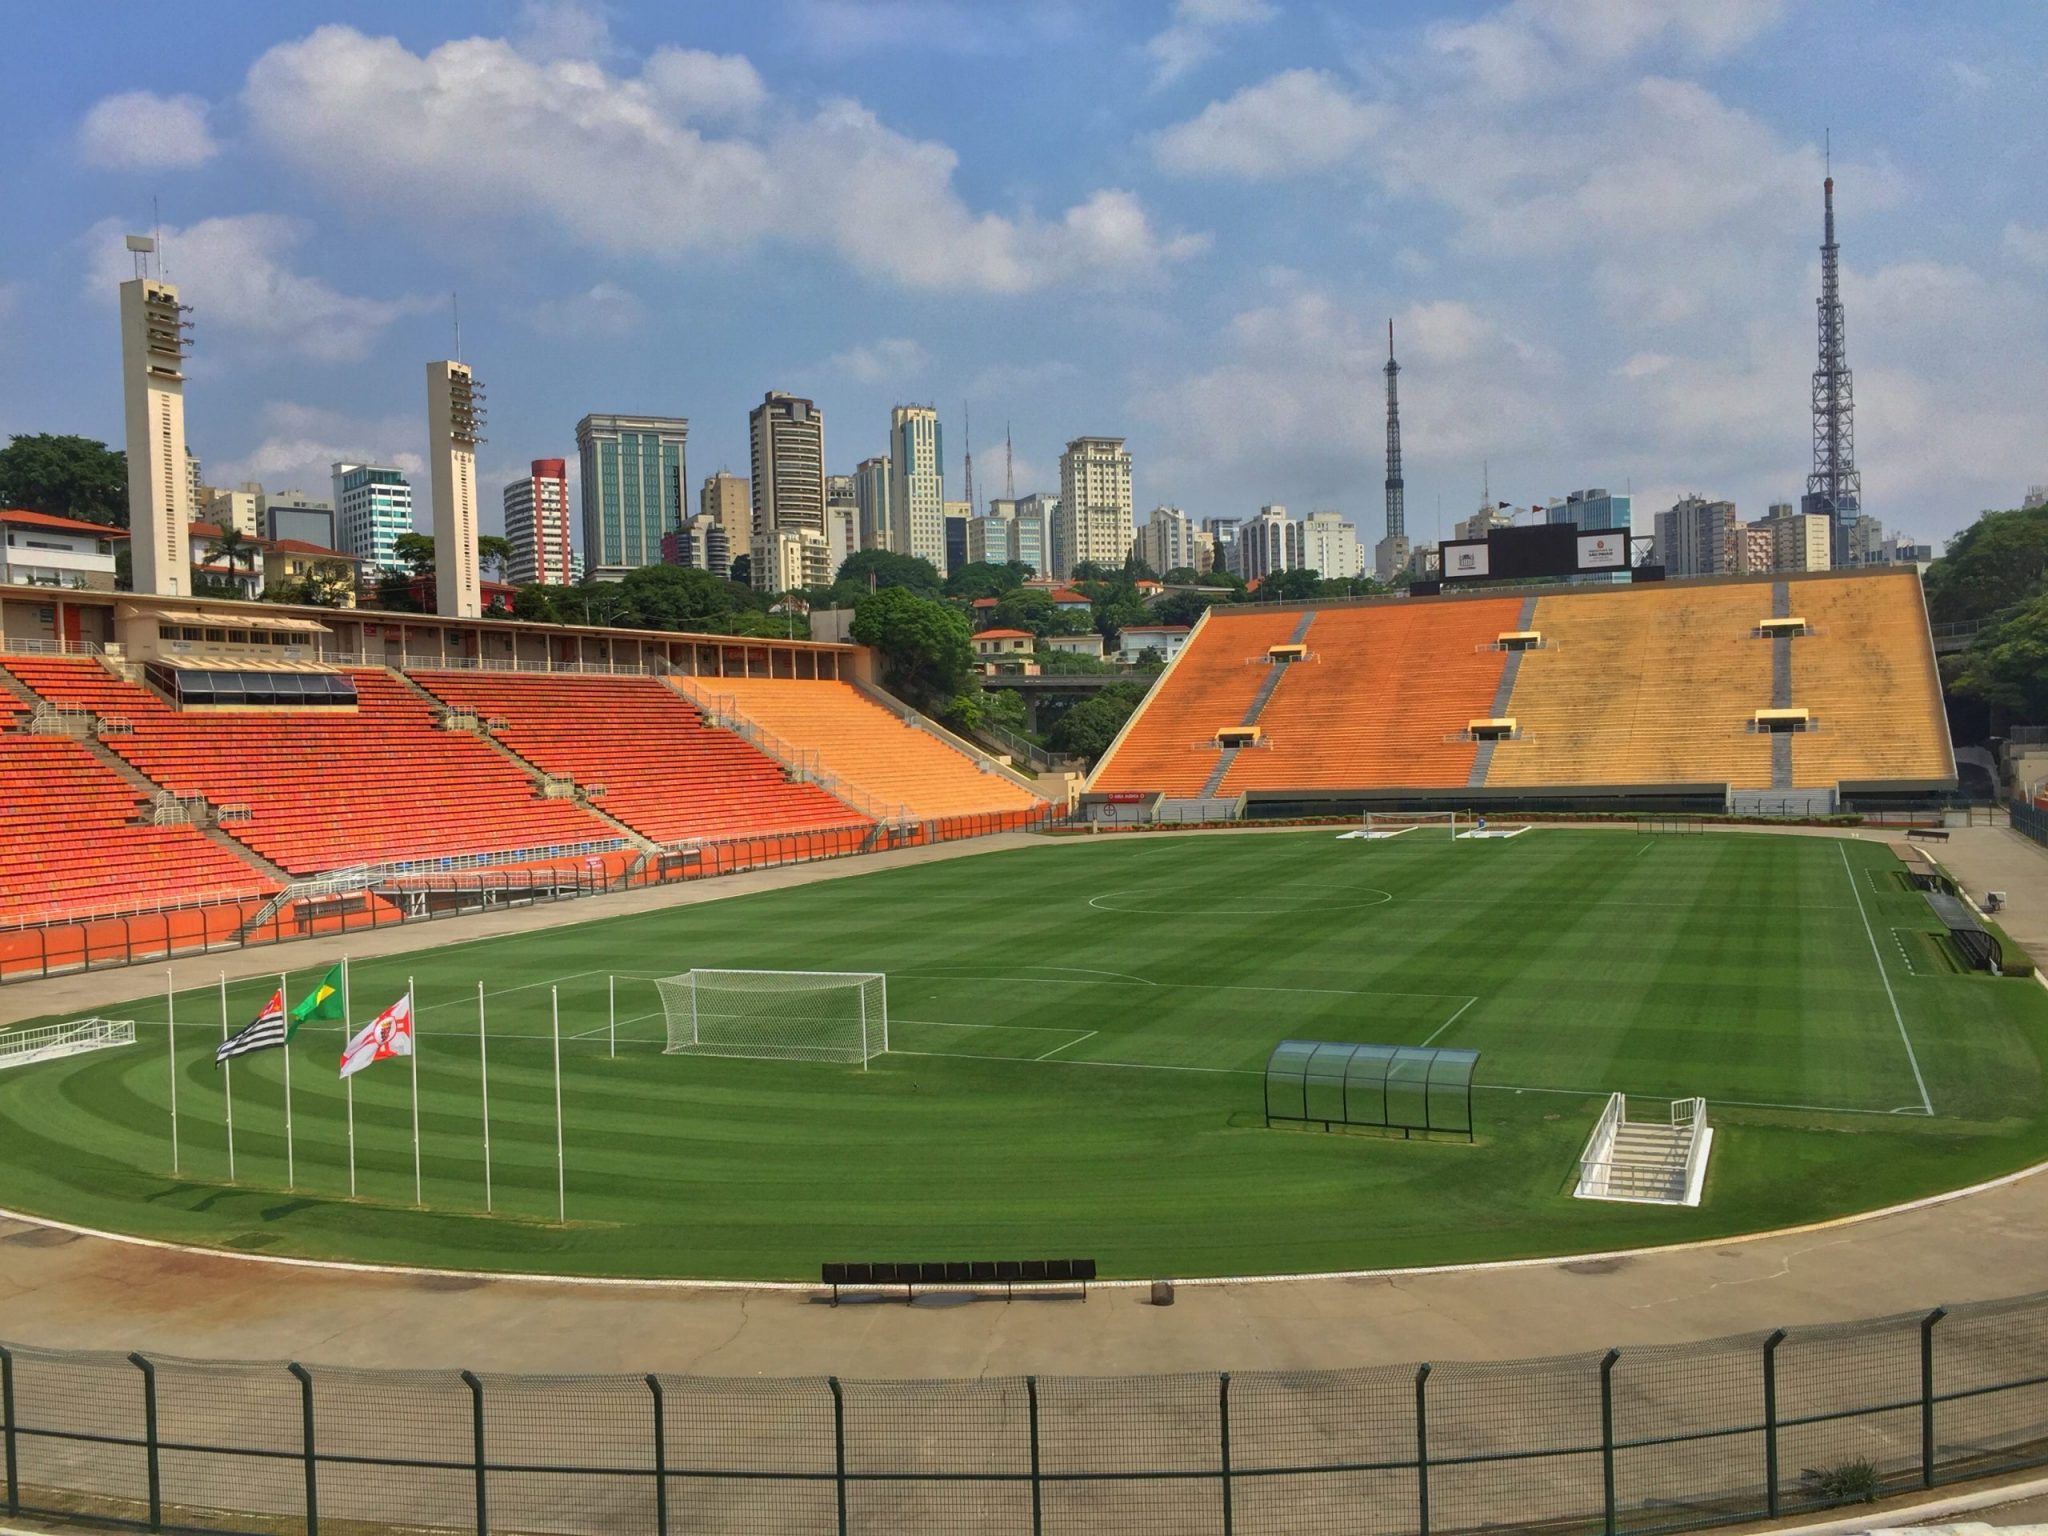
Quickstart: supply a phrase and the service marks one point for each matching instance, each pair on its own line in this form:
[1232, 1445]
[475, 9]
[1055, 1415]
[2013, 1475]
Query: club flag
[387, 1035]
[264, 1032]
[323, 1002]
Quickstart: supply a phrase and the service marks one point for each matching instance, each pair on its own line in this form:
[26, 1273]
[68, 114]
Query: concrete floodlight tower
[455, 419]
[1835, 487]
[153, 344]
[1391, 554]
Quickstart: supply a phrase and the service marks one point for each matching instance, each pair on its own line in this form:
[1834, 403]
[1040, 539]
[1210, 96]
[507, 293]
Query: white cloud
[2028, 245]
[142, 131]
[604, 309]
[564, 29]
[1529, 47]
[233, 272]
[1193, 36]
[998, 380]
[713, 87]
[1290, 124]
[475, 130]
[302, 443]
[879, 362]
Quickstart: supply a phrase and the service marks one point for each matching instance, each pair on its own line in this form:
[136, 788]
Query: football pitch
[1077, 1033]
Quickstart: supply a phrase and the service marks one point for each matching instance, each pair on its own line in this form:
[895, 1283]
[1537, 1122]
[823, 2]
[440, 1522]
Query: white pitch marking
[1086, 1034]
[1447, 1023]
[1898, 1018]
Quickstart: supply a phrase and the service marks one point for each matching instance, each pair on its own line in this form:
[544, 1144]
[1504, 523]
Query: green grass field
[1077, 1034]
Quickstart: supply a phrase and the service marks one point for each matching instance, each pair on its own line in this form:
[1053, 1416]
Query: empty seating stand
[664, 771]
[331, 789]
[974, 1274]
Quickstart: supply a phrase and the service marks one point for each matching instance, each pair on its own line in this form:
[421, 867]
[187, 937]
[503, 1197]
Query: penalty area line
[1447, 1023]
[1898, 1018]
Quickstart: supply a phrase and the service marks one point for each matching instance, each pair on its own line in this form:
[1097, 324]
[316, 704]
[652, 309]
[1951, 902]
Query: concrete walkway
[62, 1289]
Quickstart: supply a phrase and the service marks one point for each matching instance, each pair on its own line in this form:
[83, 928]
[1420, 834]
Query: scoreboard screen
[1535, 553]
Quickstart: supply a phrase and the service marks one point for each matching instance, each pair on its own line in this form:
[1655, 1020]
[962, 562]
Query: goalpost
[48, 1042]
[1382, 824]
[777, 1015]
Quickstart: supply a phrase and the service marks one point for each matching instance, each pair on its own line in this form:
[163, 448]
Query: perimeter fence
[1630, 1441]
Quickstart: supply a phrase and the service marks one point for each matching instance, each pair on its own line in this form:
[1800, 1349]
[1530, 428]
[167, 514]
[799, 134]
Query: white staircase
[1651, 1161]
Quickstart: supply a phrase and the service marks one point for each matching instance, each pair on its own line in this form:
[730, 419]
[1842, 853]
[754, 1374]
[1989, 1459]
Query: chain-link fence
[1626, 1443]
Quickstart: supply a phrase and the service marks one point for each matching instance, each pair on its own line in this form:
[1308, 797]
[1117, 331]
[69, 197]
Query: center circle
[1119, 901]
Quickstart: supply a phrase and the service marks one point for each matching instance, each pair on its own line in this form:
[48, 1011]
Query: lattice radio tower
[967, 457]
[1835, 487]
[1397, 507]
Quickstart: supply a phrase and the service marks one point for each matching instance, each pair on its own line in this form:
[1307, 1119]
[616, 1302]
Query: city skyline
[1661, 339]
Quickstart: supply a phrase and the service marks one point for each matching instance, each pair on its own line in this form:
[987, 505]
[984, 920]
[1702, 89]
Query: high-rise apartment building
[153, 342]
[1222, 532]
[455, 417]
[700, 544]
[958, 516]
[537, 525]
[1095, 521]
[372, 507]
[917, 484]
[788, 437]
[1592, 510]
[1167, 541]
[1030, 541]
[842, 519]
[1269, 544]
[871, 503]
[730, 499]
[1692, 538]
[633, 472]
[1329, 546]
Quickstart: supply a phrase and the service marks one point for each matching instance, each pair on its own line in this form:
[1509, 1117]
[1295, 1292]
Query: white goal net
[1384, 824]
[777, 1015]
[47, 1042]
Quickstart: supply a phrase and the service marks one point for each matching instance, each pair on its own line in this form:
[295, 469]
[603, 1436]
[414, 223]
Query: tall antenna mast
[1397, 495]
[455, 307]
[1834, 489]
[967, 456]
[1009, 466]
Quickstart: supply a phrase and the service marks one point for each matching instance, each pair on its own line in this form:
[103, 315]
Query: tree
[742, 570]
[65, 477]
[416, 552]
[1221, 576]
[493, 553]
[885, 568]
[1090, 726]
[2007, 665]
[1181, 576]
[1996, 562]
[1295, 586]
[326, 584]
[1187, 607]
[925, 646]
[1116, 607]
[236, 548]
[678, 597]
[1092, 570]
[978, 578]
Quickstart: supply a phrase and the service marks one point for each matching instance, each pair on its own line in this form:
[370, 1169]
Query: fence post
[1223, 1427]
[1926, 1395]
[839, 1448]
[660, 1458]
[1037, 1493]
[476, 1429]
[1771, 1421]
[1607, 1435]
[156, 1489]
[1421, 1450]
[7, 1412]
[306, 1443]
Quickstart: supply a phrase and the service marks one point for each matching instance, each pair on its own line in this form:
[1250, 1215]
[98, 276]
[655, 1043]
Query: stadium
[703, 1009]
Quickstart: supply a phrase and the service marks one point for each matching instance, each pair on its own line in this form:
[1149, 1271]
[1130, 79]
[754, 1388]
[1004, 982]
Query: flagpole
[291, 1172]
[227, 1069]
[412, 1027]
[349, 1083]
[171, 1019]
[483, 1057]
[561, 1179]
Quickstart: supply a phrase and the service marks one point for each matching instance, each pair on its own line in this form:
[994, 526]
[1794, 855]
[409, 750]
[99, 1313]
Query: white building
[917, 484]
[701, 544]
[537, 525]
[1268, 544]
[1134, 640]
[372, 507]
[1800, 541]
[153, 327]
[1168, 541]
[455, 414]
[1329, 546]
[39, 550]
[791, 558]
[788, 440]
[240, 510]
[1094, 521]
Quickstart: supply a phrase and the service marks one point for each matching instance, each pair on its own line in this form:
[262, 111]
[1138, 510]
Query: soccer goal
[48, 1042]
[1383, 824]
[777, 1015]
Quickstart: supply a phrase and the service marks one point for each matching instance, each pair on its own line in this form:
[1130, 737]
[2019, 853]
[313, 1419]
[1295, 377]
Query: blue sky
[1187, 222]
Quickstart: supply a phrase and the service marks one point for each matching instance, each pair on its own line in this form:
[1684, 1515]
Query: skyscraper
[1391, 553]
[871, 504]
[788, 438]
[1693, 537]
[1167, 541]
[1329, 546]
[1835, 487]
[1094, 521]
[842, 519]
[372, 507]
[455, 416]
[1268, 544]
[917, 484]
[633, 470]
[153, 342]
[730, 499]
[537, 525]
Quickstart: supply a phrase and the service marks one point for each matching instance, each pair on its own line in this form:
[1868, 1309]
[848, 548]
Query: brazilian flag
[323, 1002]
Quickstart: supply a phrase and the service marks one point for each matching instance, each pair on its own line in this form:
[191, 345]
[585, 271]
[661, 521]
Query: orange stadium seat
[894, 764]
[665, 772]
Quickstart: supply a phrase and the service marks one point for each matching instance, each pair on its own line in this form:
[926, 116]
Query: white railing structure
[48, 1042]
[1650, 1162]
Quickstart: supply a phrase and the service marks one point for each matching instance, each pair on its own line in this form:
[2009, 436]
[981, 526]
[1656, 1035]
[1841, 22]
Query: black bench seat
[971, 1274]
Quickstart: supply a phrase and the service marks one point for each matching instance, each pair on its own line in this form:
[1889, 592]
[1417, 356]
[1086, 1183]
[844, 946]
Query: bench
[973, 1273]
[1928, 834]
